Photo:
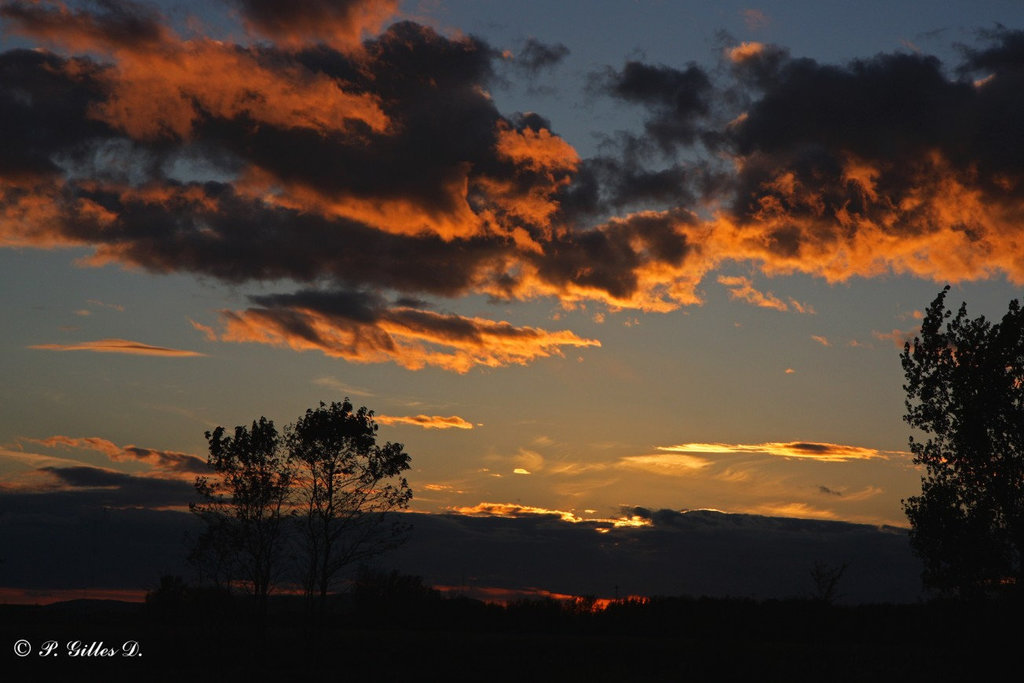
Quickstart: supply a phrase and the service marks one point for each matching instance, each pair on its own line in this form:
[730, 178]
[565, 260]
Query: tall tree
[965, 391]
[245, 505]
[346, 484]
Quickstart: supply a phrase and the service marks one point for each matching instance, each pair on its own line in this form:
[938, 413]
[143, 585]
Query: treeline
[389, 601]
[394, 627]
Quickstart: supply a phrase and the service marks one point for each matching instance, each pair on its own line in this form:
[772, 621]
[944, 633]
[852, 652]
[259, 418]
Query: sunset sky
[578, 256]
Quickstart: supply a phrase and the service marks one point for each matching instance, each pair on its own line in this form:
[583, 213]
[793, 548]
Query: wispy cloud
[897, 337]
[124, 346]
[793, 449]
[337, 385]
[425, 421]
[163, 460]
[102, 304]
[797, 510]
[742, 289]
[673, 464]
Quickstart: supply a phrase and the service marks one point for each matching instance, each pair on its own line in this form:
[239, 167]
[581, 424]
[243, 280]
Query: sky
[578, 257]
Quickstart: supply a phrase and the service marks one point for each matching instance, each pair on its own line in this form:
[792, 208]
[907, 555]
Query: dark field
[429, 638]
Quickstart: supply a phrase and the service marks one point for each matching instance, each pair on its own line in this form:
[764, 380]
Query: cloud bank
[364, 167]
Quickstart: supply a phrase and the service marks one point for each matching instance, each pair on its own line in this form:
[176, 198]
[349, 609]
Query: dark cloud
[882, 150]
[168, 461]
[429, 87]
[338, 22]
[536, 55]
[118, 23]
[210, 229]
[358, 306]
[100, 487]
[364, 328]
[70, 540]
[1003, 54]
[677, 98]
[611, 259]
[692, 553]
[609, 184]
[59, 545]
[44, 105]
[891, 105]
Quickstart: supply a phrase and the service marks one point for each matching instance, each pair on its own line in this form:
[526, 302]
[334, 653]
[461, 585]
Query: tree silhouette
[825, 578]
[965, 390]
[322, 489]
[345, 484]
[245, 507]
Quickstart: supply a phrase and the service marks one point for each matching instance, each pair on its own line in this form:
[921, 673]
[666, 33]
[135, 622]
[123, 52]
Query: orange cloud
[647, 260]
[36, 461]
[794, 449]
[33, 212]
[671, 464]
[897, 337]
[169, 461]
[514, 510]
[299, 24]
[944, 226]
[821, 339]
[119, 346]
[412, 338]
[116, 26]
[798, 510]
[537, 150]
[160, 85]
[394, 145]
[207, 331]
[161, 93]
[743, 289]
[425, 421]
[602, 524]
[744, 51]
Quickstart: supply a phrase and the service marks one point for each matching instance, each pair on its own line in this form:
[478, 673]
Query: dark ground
[423, 637]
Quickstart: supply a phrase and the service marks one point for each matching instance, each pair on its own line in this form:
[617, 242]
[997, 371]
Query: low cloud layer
[520, 550]
[339, 157]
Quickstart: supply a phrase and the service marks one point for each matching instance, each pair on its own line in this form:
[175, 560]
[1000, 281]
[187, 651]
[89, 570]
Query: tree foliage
[345, 484]
[319, 493]
[244, 506]
[965, 391]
